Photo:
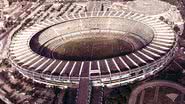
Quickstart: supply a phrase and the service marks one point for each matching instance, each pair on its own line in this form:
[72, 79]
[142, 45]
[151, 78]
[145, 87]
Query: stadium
[108, 48]
[92, 51]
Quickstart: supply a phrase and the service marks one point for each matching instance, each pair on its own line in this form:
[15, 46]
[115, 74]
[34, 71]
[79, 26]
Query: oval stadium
[108, 48]
[92, 52]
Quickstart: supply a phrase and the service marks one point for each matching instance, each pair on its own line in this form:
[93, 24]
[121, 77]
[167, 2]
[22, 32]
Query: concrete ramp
[84, 91]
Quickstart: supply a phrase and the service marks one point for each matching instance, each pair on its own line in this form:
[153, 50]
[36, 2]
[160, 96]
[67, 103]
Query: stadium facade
[33, 51]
